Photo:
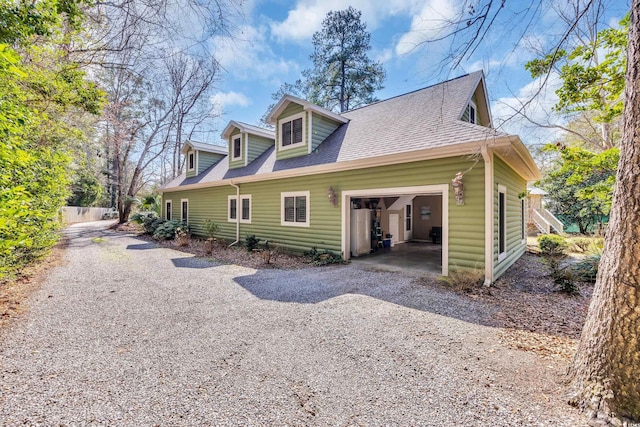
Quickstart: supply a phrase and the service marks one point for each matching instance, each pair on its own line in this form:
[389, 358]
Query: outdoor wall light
[458, 188]
[331, 195]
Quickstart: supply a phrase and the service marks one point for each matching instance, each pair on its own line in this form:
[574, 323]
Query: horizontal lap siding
[293, 109]
[466, 229]
[207, 159]
[256, 146]
[515, 184]
[322, 128]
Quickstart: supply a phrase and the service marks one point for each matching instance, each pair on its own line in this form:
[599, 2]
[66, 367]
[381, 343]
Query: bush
[324, 257]
[565, 281]
[587, 269]
[149, 221]
[465, 278]
[211, 228]
[582, 244]
[552, 245]
[251, 242]
[167, 230]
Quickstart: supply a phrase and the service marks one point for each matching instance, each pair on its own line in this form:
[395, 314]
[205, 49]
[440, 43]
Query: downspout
[237, 213]
[488, 215]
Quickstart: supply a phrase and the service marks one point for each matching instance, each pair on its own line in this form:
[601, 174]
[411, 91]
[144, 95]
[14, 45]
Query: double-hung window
[167, 210]
[292, 131]
[243, 209]
[184, 210]
[295, 209]
[502, 222]
[237, 148]
[191, 161]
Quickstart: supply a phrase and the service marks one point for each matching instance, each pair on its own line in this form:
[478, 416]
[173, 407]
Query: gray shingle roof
[424, 119]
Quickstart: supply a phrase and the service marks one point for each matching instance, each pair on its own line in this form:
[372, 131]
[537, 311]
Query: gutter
[237, 213]
[488, 215]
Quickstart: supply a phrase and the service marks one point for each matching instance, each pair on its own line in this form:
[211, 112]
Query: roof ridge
[413, 91]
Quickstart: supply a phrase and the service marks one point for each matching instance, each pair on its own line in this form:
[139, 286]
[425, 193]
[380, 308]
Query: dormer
[199, 156]
[246, 142]
[301, 126]
[476, 110]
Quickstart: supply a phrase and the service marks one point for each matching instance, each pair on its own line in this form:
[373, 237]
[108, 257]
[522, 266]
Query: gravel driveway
[128, 334]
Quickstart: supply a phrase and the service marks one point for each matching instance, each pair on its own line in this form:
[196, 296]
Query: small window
[245, 209]
[408, 218]
[167, 210]
[292, 131]
[237, 148]
[472, 114]
[295, 209]
[184, 211]
[191, 161]
[523, 225]
[469, 114]
[502, 222]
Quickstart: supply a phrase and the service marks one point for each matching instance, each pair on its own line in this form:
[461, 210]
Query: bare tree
[146, 116]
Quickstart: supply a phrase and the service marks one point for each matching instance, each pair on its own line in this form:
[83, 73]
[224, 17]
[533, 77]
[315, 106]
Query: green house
[427, 167]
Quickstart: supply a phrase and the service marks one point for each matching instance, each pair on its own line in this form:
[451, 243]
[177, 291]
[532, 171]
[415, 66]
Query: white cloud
[536, 102]
[222, 100]
[248, 55]
[431, 22]
[307, 15]
[384, 55]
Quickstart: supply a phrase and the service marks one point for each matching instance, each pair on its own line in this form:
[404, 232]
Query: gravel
[131, 334]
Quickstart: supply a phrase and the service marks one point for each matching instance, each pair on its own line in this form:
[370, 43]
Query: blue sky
[271, 45]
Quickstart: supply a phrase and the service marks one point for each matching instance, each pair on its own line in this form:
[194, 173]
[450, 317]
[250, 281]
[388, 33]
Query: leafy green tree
[40, 92]
[580, 185]
[591, 83]
[86, 190]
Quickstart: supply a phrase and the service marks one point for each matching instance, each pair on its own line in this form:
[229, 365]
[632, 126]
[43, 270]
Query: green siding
[293, 109]
[240, 162]
[186, 165]
[321, 129]
[256, 146]
[466, 230]
[207, 159]
[515, 184]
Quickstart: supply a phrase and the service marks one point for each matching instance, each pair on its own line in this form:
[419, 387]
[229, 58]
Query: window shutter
[236, 147]
[289, 209]
[245, 208]
[232, 208]
[297, 130]
[301, 209]
[286, 133]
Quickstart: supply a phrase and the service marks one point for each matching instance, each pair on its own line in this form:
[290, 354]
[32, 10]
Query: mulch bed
[221, 252]
[535, 315]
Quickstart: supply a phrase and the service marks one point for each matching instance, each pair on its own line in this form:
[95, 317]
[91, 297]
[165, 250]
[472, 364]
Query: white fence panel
[73, 214]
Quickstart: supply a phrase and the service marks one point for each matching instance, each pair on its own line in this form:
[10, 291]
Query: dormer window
[237, 148]
[292, 131]
[191, 161]
[470, 113]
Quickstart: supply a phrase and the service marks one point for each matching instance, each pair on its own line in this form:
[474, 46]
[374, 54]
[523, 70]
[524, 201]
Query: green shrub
[211, 228]
[564, 279]
[251, 242]
[324, 257]
[581, 244]
[552, 245]
[587, 269]
[167, 230]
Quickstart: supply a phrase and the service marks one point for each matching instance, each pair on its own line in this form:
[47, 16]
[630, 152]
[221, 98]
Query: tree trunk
[605, 374]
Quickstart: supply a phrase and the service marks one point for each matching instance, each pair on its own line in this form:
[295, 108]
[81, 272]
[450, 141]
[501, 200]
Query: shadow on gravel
[142, 246]
[194, 263]
[310, 287]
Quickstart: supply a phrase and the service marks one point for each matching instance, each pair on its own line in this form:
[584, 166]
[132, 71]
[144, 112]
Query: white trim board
[420, 190]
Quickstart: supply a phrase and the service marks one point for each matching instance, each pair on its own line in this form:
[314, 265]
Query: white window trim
[170, 209]
[472, 106]
[502, 255]
[239, 209]
[189, 154]
[291, 119]
[233, 138]
[182, 219]
[307, 223]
